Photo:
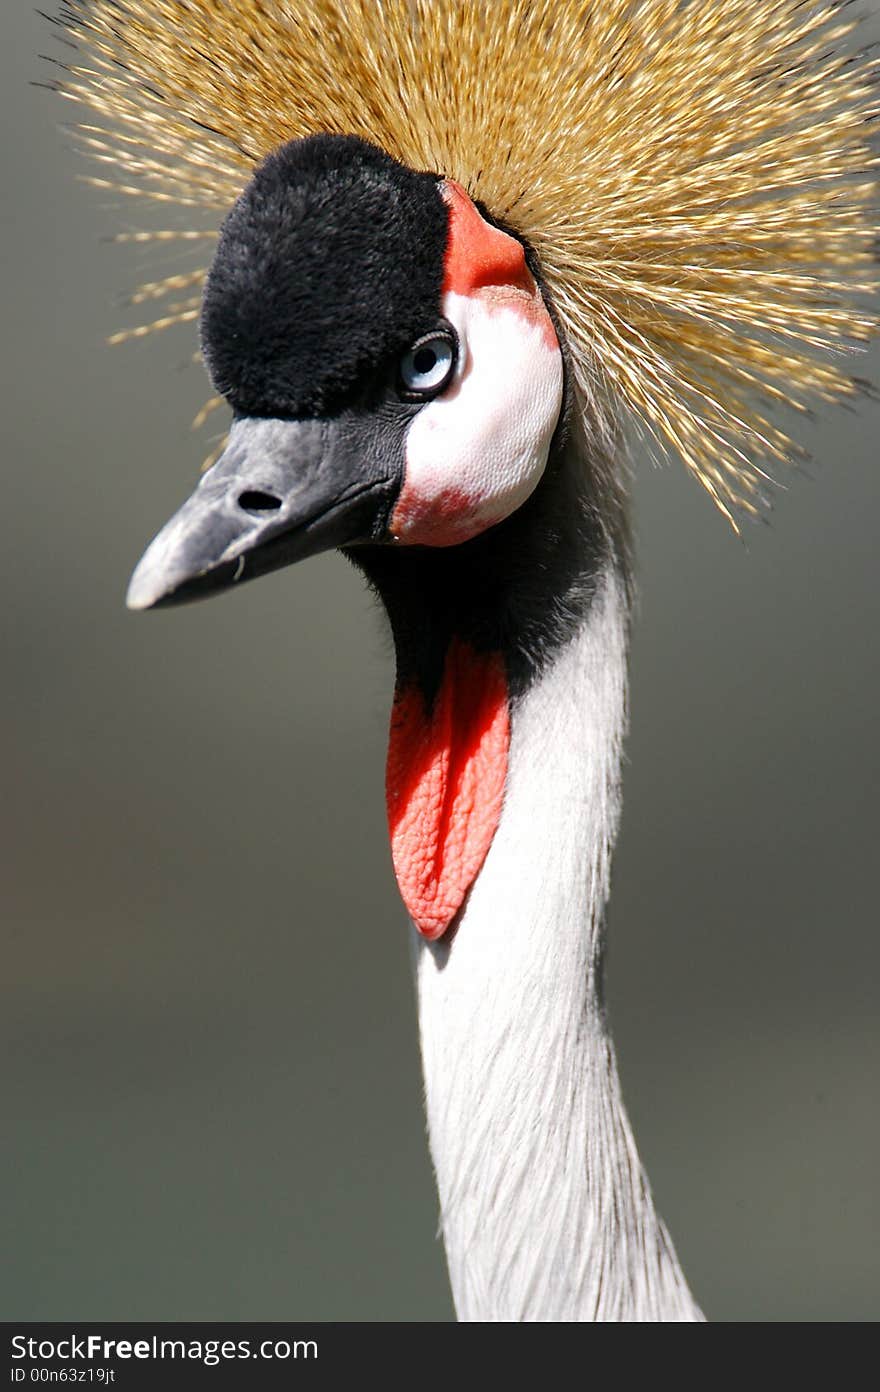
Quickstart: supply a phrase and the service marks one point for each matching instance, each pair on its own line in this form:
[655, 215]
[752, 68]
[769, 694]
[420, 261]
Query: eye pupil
[424, 360]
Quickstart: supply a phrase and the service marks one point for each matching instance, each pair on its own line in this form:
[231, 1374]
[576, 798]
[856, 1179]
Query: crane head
[393, 370]
[701, 199]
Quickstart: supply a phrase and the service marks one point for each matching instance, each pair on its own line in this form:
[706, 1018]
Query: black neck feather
[522, 588]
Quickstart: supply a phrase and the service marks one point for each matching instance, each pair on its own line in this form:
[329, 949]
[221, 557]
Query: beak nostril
[254, 501]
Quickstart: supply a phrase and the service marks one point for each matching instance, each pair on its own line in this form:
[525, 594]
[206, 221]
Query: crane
[465, 248]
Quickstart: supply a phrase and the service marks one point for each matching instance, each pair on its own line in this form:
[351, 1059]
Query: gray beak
[283, 490]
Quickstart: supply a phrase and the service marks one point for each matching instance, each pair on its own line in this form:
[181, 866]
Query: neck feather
[545, 1209]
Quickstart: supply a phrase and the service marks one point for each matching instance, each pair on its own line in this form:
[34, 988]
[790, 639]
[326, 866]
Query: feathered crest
[697, 178]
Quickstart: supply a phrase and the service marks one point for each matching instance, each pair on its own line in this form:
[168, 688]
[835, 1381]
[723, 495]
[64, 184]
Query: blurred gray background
[210, 1087]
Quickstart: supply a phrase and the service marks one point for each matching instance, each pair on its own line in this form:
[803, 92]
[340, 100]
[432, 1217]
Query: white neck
[545, 1210]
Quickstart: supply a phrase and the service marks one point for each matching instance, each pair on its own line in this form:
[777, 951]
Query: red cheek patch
[478, 254]
[446, 771]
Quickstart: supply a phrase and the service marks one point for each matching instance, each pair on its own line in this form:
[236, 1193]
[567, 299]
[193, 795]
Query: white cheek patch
[474, 454]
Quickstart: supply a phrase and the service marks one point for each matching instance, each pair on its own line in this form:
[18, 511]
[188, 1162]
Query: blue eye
[428, 365]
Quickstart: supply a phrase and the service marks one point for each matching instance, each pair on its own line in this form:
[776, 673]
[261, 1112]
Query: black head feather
[328, 267]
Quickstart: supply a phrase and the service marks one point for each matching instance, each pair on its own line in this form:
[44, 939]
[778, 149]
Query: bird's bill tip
[141, 593]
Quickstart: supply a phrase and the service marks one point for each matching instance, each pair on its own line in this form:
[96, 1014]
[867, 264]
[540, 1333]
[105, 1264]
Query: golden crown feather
[698, 179]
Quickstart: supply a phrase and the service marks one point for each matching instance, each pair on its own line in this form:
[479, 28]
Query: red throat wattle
[447, 766]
